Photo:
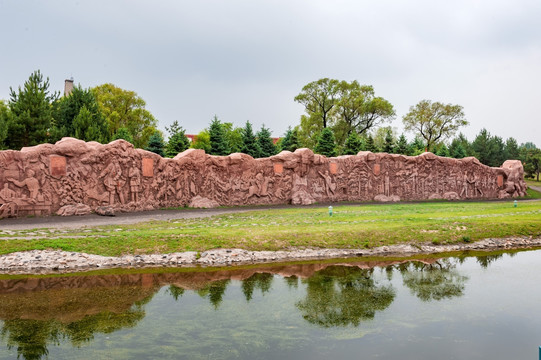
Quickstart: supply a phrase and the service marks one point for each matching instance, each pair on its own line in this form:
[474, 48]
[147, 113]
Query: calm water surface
[452, 308]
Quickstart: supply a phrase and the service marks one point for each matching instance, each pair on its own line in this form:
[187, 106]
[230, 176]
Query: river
[461, 307]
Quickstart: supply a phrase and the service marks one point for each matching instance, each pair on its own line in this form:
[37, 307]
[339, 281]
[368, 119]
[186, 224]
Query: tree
[370, 145]
[388, 146]
[319, 98]
[511, 149]
[265, 142]
[460, 147]
[123, 134]
[353, 144]
[489, 150]
[402, 145]
[178, 142]
[326, 145]
[416, 147]
[434, 121]
[124, 108]
[89, 126]
[156, 143]
[532, 160]
[250, 145]
[218, 141]
[357, 109]
[442, 150]
[309, 131]
[31, 113]
[202, 141]
[4, 118]
[290, 141]
[69, 108]
[233, 136]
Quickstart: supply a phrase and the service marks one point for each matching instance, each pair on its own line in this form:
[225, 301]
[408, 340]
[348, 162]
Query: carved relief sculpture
[44, 178]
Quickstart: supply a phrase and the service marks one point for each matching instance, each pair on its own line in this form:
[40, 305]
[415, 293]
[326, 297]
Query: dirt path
[91, 220]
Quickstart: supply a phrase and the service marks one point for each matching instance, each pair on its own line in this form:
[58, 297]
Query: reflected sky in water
[483, 307]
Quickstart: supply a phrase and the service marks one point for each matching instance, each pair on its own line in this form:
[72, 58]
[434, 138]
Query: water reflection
[340, 296]
[433, 281]
[38, 313]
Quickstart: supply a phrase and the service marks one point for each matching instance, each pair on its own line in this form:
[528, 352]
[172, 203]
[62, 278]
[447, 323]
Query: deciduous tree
[319, 98]
[124, 108]
[434, 121]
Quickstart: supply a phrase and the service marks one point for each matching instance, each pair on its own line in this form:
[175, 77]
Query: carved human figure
[135, 182]
[30, 182]
[387, 184]
[465, 182]
[113, 181]
[8, 206]
[330, 187]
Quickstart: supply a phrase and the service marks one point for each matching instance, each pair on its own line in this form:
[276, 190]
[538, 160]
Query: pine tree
[31, 113]
[4, 118]
[250, 145]
[264, 140]
[443, 151]
[326, 145]
[218, 142]
[85, 127]
[370, 146]
[285, 142]
[178, 142]
[511, 149]
[417, 146]
[353, 144]
[156, 143]
[402, 145]
[457, 151]
[388, 146]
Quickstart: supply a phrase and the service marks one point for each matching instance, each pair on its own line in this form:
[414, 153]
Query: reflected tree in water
[342, 296]
[175, 291]
[262, 281]
[214, 291]
[486, 260]
[292, 281]
[436, 281]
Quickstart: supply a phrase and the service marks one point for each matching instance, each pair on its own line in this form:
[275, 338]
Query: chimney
[68, 86]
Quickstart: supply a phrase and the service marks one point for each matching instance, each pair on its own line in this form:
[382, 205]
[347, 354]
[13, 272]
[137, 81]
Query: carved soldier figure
[135, 182]
[8, 207]
[330, 187]
[31, 183]
[113, 181]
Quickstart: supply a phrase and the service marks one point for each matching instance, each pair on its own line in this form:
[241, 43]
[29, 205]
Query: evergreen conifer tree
[443, 151]
[264, 140]
[218, 141]
[353, 144]
[402, 145]
[250, 145]
[370, 146]
[326, 145]
[156, 143]
[178, 142]
[388, 145]
[31, 113]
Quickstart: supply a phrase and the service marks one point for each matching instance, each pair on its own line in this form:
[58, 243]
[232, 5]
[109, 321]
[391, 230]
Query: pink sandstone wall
[81, 177]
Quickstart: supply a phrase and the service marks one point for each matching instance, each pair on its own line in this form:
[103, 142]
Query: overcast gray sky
[247, 59]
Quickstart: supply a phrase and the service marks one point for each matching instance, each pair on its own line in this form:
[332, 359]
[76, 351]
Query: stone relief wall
[75, 177]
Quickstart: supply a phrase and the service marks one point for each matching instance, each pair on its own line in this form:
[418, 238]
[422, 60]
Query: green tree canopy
[218, 141]
[178, 142]
[125, 109]
[123, 134]
[156, 143]
[4, 118]
[69, 108]
[202, 141]
[319, 98]
[402, 145]
[250, 145]
[353, 144]
[31, 113]
[511, 149]
[326, 144]
[233, 136]
[265, 142]
[434, 121]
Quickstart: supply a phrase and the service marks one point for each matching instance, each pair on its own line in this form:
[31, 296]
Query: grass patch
[351, 226]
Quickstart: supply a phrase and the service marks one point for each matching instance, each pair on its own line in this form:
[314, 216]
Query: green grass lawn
[351, 226]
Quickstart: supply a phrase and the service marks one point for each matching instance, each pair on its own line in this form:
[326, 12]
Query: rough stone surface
[203, 203]
[76, 209]
[42, 179]
[105, 211]
[47, 261]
